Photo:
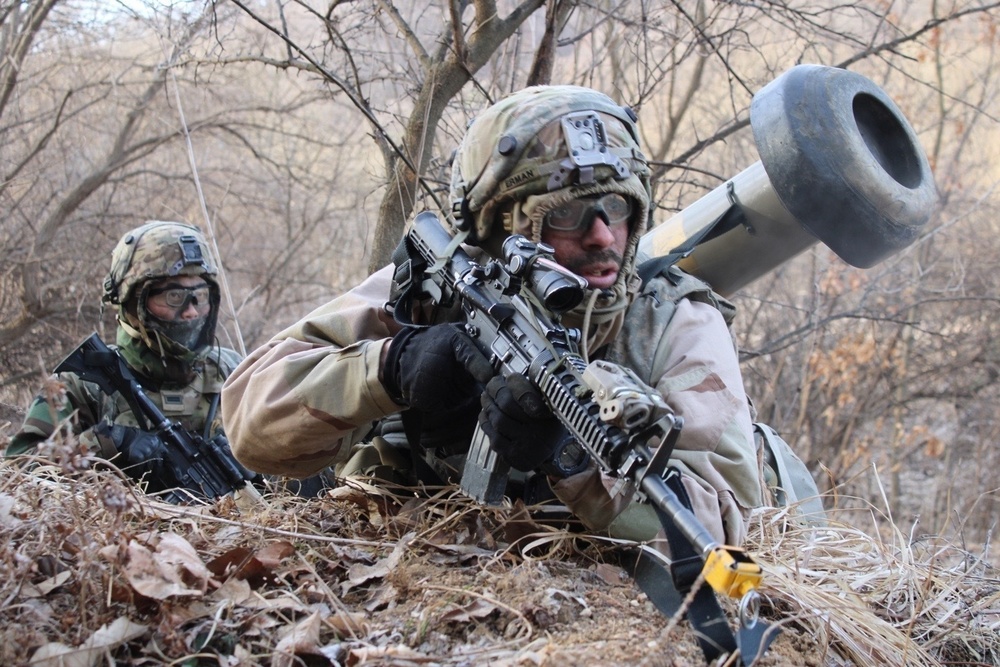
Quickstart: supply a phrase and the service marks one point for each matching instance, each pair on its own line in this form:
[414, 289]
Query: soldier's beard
[599, 263]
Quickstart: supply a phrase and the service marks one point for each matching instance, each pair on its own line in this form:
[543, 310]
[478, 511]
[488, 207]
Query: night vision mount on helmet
[540, 145]
[157, 249]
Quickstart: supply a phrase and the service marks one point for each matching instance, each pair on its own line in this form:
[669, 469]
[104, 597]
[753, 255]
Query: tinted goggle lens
[577, 213]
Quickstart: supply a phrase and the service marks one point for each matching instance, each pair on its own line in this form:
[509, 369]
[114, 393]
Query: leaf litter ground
[95, 573]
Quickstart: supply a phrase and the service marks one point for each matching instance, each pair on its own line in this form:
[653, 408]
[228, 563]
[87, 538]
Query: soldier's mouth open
[600, 277]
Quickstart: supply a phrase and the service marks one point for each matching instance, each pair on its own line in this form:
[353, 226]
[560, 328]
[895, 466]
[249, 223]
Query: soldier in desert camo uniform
[560, 165]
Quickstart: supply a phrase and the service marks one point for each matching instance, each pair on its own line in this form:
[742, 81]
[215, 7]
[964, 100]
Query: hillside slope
[93, 571]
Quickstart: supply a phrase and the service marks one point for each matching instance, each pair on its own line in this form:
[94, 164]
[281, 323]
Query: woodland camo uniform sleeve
[297, 404]
[64, 399]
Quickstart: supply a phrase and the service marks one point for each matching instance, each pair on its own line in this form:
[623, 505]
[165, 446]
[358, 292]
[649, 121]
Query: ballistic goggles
[179, 297]
[578, 214]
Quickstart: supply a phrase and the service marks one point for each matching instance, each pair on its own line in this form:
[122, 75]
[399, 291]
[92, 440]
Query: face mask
[183, 332]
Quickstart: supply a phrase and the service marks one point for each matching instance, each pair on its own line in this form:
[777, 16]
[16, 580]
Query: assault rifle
[512, 309]
[196, 468]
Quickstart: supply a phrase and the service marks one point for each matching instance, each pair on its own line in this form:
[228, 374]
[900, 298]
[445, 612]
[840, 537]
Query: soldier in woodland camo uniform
[162, 280]
[559, 164]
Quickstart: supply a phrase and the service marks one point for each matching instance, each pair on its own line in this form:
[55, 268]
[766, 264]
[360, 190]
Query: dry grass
[894, 600]
[93, 573]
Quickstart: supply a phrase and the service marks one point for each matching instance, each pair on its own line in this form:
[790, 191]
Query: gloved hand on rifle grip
[522, 429]
[142, 453]
[433, 368]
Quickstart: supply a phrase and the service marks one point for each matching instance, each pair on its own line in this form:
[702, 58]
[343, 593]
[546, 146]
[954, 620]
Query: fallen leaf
[348, 624]
[45, 587]
[934, 447]
[611, 574]
[359, 574]
[256, 567]
[381, 597]
[387, 655]
[92, 651]
[173, 570]
[303, 637]
[233, 591]
[7, 518]
[230, 563]
[271, 554]
[477, 609]
[460, 553]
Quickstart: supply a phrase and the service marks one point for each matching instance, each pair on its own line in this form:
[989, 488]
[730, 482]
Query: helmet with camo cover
[543, 144]
[154, 251]
[539, 148]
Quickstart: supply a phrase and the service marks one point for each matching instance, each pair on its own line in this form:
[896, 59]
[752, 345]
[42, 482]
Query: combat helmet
[547, 143]
[159, 249]
[538, 148]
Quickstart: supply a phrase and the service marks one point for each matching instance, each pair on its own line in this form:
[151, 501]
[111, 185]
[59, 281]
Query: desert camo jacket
[301, 402]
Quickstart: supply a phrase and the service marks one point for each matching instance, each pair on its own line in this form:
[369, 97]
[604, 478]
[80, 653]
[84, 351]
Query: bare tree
[59, 155]
[310, 172]
[102, 133]
[443, 61]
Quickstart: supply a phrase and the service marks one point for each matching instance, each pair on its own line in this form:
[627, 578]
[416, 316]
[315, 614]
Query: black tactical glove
[142, 453]
[522, 429]
[434, 368]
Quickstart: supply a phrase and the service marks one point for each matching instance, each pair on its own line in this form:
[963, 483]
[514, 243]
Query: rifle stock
[198, 468]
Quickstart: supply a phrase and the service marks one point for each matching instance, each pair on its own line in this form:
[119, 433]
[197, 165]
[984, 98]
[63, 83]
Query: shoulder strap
[731, 218]
[227, 360]
[657, 266]
[676, 284]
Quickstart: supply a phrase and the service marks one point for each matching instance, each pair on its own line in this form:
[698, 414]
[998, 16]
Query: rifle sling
[667, 590]
[213, 408]
[406, 279]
